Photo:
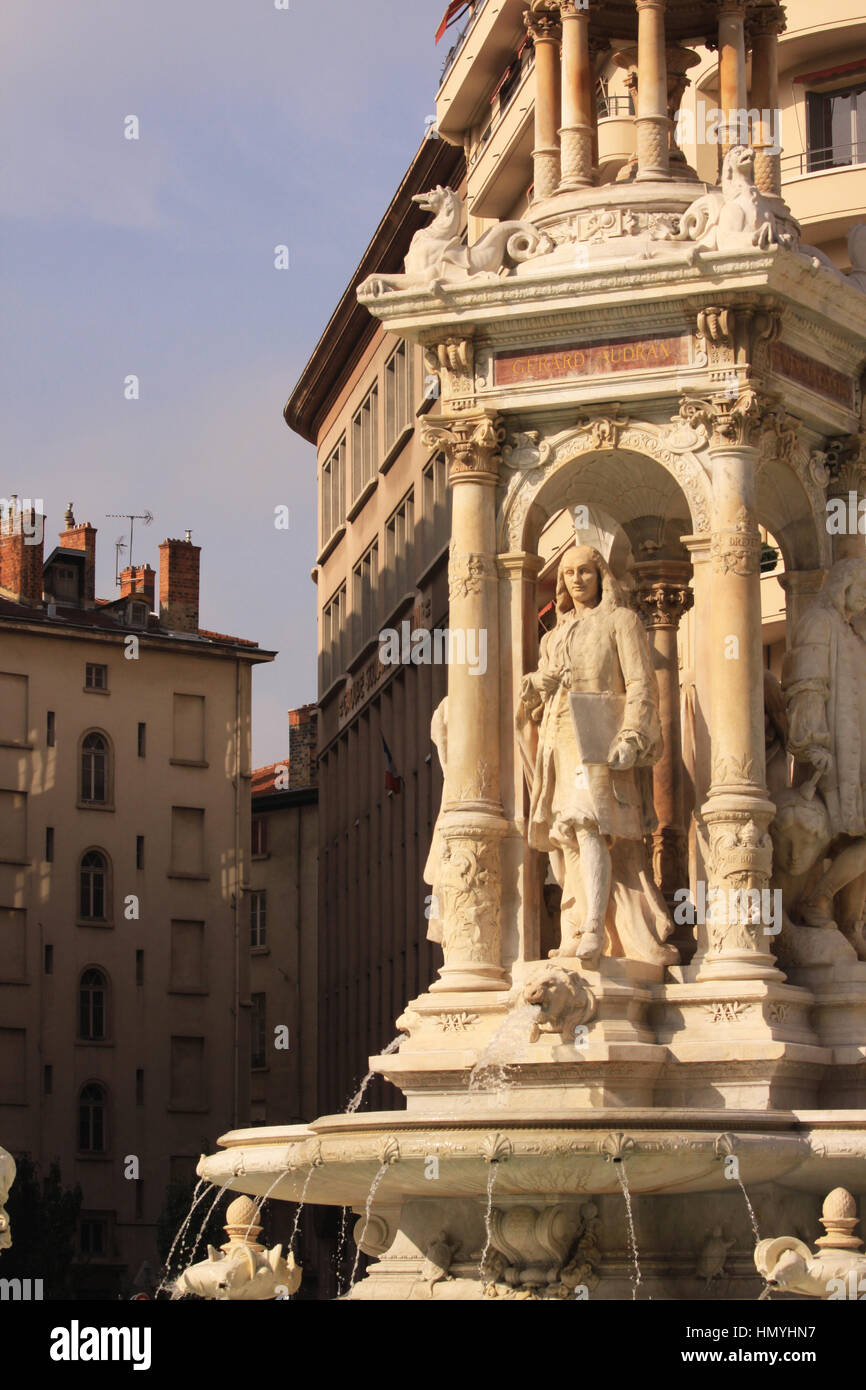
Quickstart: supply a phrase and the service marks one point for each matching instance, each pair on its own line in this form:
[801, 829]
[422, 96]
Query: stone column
[578, 98]
[738, 810]
[471, 823]
[652, 122]
[662, 596]
[800, 586]
[732, 71]
[542, 23]
[765, 24]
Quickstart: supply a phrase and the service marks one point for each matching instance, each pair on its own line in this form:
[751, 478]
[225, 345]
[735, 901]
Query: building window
[398, 394]
[333, 511]
[437, 503]
[94, 769]
[48, 960]
[365, 586]
[837, 127]
[260, 835]
[139, 967]
[49, 728]
[95, 676]
[398, 551]
[142, 740]
[138, 615]
[258, 1055]
[91, 1119]
[365, 437]
[139, 851]
[92, 1006]
[139, 1085]
[93, 1237]
[93, 886]
[49, 844]
[258, 918]
[333, 637]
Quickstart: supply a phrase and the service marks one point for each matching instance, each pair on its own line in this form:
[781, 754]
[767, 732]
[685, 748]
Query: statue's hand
[622, 756]
[545, 682]
[820, 758]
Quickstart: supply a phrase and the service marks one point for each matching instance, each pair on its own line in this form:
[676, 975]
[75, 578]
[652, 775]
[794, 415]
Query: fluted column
[542, 23]
[662, 596]
[765, 26]
[471, 824]
[732, 72]
[578, 98]
[737, 811]
[652, 122]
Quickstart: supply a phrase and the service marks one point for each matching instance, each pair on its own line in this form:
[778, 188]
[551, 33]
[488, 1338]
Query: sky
[258, 127]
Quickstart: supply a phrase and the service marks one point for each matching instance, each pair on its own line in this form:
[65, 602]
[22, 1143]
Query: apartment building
[124, 863]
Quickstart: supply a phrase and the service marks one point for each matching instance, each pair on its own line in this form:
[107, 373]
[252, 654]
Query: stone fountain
[647, 1041]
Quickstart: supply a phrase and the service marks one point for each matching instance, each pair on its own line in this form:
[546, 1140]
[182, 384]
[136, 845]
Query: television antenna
[132, 518]
[119, 546]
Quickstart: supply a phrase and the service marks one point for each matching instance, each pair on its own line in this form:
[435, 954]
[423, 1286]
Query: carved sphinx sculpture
[437, 254]
[589, 731]
[736, 215]
[824, 814]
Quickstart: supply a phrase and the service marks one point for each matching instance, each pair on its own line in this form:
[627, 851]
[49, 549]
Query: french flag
[393, 780]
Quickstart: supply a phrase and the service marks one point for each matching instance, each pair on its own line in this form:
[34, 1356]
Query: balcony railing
[614, 106]
[451, 56]
[831, 157]
[496, 121]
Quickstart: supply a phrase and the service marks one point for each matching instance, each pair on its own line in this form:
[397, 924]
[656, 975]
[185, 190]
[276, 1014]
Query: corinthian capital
[542, 20]
[732, 421]
[471, 445]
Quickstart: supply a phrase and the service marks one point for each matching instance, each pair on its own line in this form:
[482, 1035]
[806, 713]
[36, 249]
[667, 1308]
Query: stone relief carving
[589, 732]
[737, 549]
[468, 884]
[437, 254]
[526, 449]
[452, 360]
[712, 1257]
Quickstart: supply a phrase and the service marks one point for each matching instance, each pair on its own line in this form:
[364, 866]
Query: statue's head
[584, 579]
[845, 587]
[738, 164]
[436, 198]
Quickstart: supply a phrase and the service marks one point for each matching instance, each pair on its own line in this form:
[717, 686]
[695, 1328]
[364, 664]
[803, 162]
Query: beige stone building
[124, 865]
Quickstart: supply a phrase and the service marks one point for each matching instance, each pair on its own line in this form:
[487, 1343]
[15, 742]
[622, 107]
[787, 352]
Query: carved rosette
[469, 888]
[472, 445]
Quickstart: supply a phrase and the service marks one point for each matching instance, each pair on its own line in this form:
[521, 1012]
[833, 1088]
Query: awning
[453, 12]
[827, 74]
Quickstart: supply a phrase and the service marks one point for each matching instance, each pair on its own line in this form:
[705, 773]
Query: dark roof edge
[289, 796]
[351, 326]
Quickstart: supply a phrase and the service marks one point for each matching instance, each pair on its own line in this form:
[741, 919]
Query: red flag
[454, 10]
[393, 780]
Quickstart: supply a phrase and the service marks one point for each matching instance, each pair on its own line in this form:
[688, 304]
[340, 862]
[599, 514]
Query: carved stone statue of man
[588, 724]
[825, 687]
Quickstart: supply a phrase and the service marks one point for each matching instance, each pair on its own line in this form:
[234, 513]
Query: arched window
[95, 769]
[93, 886]
[93, 1005]
[91, 1118]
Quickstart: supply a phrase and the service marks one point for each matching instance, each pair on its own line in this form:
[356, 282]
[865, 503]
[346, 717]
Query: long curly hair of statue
[842, 575]
[611, 593]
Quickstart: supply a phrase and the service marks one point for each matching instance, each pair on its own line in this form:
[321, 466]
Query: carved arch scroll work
[541, 463]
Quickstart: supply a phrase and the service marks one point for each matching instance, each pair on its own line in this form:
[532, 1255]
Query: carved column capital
[844, 459]
[765, 20]
[471, 444]
[662, 592]
[731, 421]
[542, 20]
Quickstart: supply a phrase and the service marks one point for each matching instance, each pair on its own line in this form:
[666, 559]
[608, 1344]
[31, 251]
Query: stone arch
[790, 501]
[674, 477]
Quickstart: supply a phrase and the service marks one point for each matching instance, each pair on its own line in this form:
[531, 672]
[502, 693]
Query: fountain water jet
[354, 1103]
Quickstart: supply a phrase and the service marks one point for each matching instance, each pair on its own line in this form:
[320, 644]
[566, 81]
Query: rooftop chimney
[22, 534]
[302, 747]
[178, 585]
[82, 537]
[140, 579]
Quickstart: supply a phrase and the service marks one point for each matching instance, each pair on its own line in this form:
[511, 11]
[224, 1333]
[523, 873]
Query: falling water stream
[341, 1245]
[492, 1169]
[196, 1198]
[383, 1168]
[492, 1071]
[359, 1094]
[300, 1209]
[752, 1216]
[632, 1239]
[191, 1256]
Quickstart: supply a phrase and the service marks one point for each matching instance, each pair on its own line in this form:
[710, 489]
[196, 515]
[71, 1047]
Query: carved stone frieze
[737, 549]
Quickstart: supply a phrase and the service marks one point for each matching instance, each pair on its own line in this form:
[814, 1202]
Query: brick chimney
[22, 537]
[139, 579]
[178, 585]
[303, 761]
[83, 537]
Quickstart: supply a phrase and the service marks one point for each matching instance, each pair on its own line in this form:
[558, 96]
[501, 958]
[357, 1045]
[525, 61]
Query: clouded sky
[155, 257]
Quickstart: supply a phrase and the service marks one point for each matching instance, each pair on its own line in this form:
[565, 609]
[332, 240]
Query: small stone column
[652, 122]
[578, 98]
[662, 596]
[765, 25]
[542, 23]
[732, 72]
[471, 823]
[738, 810]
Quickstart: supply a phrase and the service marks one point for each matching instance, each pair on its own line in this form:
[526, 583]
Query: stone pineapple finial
[839, 1217]
[241, 1225]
